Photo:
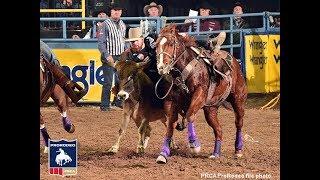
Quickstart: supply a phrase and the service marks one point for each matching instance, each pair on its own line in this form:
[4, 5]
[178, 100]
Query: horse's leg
[197, 102]
[171, 111]
[237, 100]
[172, 144]
[44, 134]
[237, 103]
[59, 97]
[127, 111]
[211, 116]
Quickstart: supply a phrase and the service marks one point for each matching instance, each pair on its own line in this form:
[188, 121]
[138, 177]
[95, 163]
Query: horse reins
[174, 60]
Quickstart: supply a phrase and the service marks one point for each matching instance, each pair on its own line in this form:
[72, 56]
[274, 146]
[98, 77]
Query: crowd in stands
[60, 4]
[217, 24]
[101, 10]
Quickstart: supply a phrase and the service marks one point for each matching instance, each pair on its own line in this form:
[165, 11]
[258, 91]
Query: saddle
[217, 63]
[222, 60]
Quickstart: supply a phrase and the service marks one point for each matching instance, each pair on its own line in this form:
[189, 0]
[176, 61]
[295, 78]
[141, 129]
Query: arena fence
[258, 47]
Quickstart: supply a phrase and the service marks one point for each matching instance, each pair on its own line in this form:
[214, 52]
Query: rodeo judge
[111, 44]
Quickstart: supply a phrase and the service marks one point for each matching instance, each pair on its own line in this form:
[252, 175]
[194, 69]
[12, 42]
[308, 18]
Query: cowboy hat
[98, 10]
[134, 34]
[152, 4]
[115, 6]
[205, 5]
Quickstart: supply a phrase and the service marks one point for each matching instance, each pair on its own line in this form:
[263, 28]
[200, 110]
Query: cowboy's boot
[216, 42]
[72, 89]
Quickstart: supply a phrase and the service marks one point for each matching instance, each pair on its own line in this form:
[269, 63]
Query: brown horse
[198, 83]
[140, 104]
[49, 89]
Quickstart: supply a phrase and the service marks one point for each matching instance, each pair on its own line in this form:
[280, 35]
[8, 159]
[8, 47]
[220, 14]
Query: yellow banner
[84, 67]
[273, 76]
[262, 59]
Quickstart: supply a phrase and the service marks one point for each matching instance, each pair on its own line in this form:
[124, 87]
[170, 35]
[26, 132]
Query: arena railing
[82, 11]
[162, 21]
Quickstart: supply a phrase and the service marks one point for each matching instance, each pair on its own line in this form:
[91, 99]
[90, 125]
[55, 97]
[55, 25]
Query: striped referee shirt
[111, 38]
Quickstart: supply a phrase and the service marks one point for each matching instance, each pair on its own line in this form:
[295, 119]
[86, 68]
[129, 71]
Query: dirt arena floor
[96, 132]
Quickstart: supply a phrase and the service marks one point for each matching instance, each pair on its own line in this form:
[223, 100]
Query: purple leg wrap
[238, 143]
[45, 136]
[193, 140]
[66, 123]
[165, 150]
[217, 148]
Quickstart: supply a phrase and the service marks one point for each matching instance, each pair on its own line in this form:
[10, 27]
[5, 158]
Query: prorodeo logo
[63, 157]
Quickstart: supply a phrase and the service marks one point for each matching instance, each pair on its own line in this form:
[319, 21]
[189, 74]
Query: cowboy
[152, 10]
[140, 48]
[60, 78]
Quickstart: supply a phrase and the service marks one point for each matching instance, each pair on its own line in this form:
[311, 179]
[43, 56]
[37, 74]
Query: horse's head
[61, 151]
[168, 47]
[128, 74]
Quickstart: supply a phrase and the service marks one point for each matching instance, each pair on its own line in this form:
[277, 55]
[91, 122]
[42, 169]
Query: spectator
[274, 22]
[238, 23]
[277, 22]
[211, 43]
[62, 4]
[44, 4]
[100, 13]
[205, 9]
[111, 44]
[152, 10]
[208, 24]
[68, 4]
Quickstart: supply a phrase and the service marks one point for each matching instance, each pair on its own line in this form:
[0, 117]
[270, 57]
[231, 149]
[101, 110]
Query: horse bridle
[173, 58]
[173, 61]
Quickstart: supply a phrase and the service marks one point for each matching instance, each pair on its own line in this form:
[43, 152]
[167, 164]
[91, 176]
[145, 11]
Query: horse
[198, 82]
[62, 156]
[48, 88]
[140, 104]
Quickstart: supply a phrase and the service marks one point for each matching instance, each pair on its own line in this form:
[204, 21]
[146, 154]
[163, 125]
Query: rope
[155, 89]
[274, 101]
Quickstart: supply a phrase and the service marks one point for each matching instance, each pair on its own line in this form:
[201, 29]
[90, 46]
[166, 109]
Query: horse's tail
[240, 79]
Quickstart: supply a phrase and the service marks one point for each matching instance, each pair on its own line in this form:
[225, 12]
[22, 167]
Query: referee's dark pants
[108, 72]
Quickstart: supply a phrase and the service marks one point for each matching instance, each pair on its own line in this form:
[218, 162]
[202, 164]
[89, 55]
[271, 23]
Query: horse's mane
[173, 28]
